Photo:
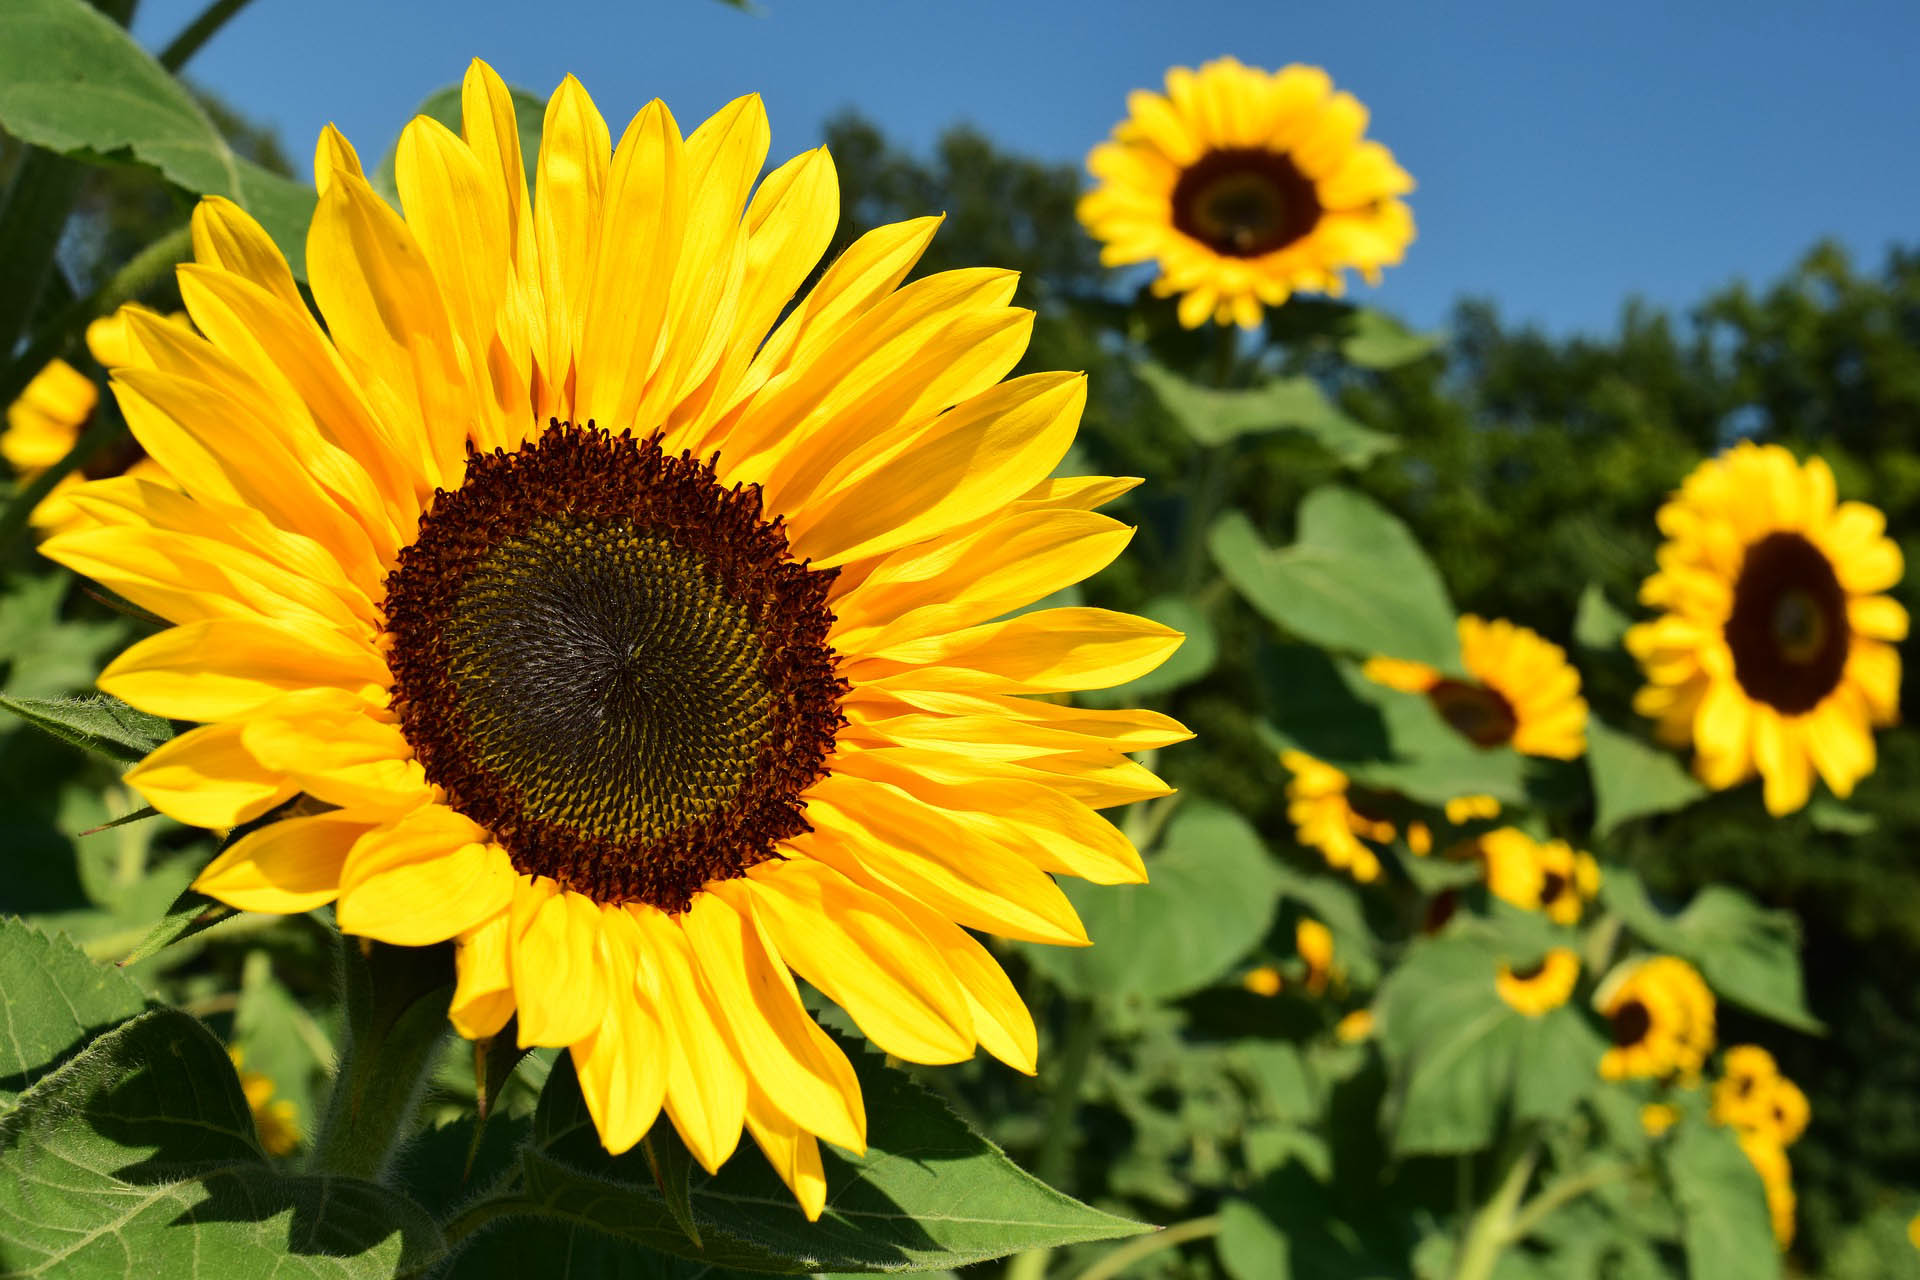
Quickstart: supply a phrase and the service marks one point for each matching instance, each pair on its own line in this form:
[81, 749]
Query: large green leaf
[138, 1158]
[55, 1000]
[1631, 779]
[1208, 903]
[929, 1192]
[1723, 1206]
[529, 113]
[100, 724]
[75, 83]
[1375, 340]
[1212, 416]
[1354, 579]
[1747, 953]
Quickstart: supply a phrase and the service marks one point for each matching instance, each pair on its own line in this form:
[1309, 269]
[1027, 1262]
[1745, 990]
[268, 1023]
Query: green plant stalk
[396, 1003]
[129, 282]
[1056, 1147]
[1556, 1194]
[196, 33]
[38, 202]
[1146, 1246]
[1491, 1229]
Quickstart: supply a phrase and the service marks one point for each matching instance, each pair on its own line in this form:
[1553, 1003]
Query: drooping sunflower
[1662, 1019]
[47, 419]
[1752, 1094]
[1541, 987]
[644, 646]
[1776, 651]
[1246, 186]
[1524, 694]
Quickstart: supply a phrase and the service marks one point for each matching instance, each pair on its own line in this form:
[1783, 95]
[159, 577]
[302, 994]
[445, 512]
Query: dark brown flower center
[1477, 713]
[610, 662]
[1552, 885]
[1245, 201]
[1788, 629]
[1527, 973]
[1631, 1023]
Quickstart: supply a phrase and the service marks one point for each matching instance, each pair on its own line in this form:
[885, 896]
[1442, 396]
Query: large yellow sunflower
[1662, 1018]
[47, 419]
[1246, 186]
[1776, 651]
[647, 653]
[1524, 694]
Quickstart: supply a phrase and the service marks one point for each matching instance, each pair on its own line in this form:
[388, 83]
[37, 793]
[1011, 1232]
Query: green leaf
[74, 82]
[1829, 815]
[525, 1248]
[529, 113]
[1556, 1064]
[930, 1192]
[1725, 1227]
[1596, 623]
[43, 653]
[280, 1039]
[55, 1000]
[1192, 661]
[1209, 901]
[138, 1157]
[1631, 779]
[1375, 340]
[1292, 1230]
[1747, 953]
[1353, 580]
[1214, 417]
[190, 913]
[100, 724]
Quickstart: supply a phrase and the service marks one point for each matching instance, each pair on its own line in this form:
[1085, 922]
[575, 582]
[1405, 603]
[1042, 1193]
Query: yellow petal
[569, 187]
[789, 1058]
[206, 778]
[558, 983]
[792, 1152]
[1782, 758]
[622, 1066]
[483, 996]
[226, 236]
[227, 667]
[287, 867]
[706, 1084]
[866, 957]
[428, 877]
[1001, 1020]
[1047, 651]
[338, 751]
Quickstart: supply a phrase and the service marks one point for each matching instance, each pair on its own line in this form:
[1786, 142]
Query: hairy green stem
[198, 32]
[396, 1002]
[1556, 1194]
[1167, 1238]
[1491, 1229]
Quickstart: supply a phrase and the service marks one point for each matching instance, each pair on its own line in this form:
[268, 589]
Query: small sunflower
[1551, 877]
[1246, 186]
[1776, 651]
[1524, 693]
[1327, 814]
[1355, 1027]
[1262, 980]
[1752, 1094]
[1769, 1160]
[637, 617]
[1658, 1117]
[1661, 1016]
[44, 423]
[276, 1119]
[1314, 942]
[1539, 988]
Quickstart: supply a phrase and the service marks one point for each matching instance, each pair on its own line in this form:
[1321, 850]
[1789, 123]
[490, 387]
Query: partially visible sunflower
[1658, 1117]
[1549, 876]
[1326, 813]
[1524, 694]
[1314, 942]
[44, 423]
[1542, 987]
[645, 625]
[276, 1119]
[1246, 186]
[1769, 1160]
[1776, 651]
[1262, 980]
[1355, 1027]
[1752, 1094]
[1661, 1016]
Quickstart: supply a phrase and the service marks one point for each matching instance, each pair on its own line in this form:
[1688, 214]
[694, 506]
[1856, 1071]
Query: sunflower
[1263, 980]
[1661, 1016]
[1539, 988]
[1327, 814]
[1769, 1160]
[1355, 1027]
[1524, 693]
[1314, 942]
[1246, 186]
[276, 1119]
[1751, 1094]
[44, 423]
[645, 653]
[1551, 877]
[1656, 1118]
[1776, 651]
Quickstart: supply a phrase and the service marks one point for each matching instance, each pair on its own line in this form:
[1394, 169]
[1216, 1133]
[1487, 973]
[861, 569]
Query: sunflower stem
[396, 1000]
[1567, 1189]
[1056, 1147]
[198, 32]
[1166, 1238]
[1491, 1229]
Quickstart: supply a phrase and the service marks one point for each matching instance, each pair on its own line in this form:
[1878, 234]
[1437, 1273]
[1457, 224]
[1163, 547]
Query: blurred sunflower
[1524, 694]
[1661, 1015]
[1658, 1117]
[44, 423]
[276, 1119]
[1776, 651]
[1542, 987]
[1262, 980]
[1769, 1160]
[1752, 1094]
[646, 653]
[1327, 814]
[1355, 1027]
[1246, 186]
[1314, 942]
[1551, 877]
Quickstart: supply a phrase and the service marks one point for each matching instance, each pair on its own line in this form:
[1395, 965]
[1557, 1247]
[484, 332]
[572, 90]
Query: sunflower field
[581, 697]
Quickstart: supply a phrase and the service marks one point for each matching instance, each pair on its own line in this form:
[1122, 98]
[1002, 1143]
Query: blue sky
[1568, 156]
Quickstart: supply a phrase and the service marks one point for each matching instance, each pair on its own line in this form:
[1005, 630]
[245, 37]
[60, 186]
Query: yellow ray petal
[706, 1084]
[570, 185]
[338, 749]
[206, 778]
[792, 1152]
[430, 876]
[1000, 1018]
[622, 1066]
[483, 996]
[228, 667]
[866, 957]
[287, 867]
[1047, 651]
[226, 236]
[558, 983]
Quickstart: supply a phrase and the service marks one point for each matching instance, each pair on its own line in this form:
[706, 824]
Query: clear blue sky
[1568, 155]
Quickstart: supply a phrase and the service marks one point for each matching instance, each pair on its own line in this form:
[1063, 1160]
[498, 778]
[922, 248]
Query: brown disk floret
[610, 661]
[1245, 201]
[1788, 629]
